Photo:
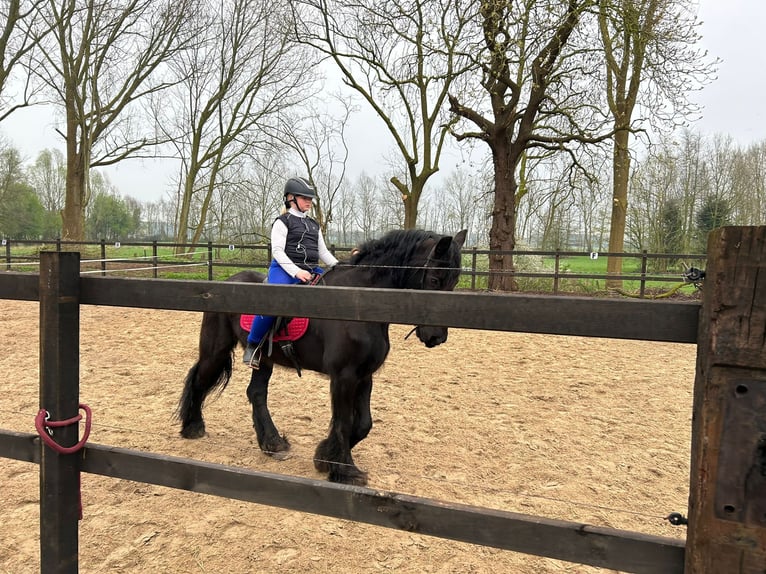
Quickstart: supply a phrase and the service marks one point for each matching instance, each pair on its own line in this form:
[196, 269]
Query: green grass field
[541, 267]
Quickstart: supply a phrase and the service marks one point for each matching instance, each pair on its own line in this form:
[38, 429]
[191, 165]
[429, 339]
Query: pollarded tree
[651, 62]
[99, 64]
[533, 98]
[401, 58]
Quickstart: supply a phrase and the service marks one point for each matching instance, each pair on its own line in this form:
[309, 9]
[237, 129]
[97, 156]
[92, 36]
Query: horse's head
[412, 259]
[440, 273]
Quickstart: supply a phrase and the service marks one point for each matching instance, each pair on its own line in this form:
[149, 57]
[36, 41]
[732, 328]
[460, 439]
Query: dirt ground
[588, 430]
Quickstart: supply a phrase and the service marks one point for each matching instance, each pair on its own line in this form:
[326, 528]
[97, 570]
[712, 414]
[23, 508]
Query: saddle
[284, 331]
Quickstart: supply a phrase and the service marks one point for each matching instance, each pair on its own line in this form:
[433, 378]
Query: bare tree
[401, 58]
[367, 203]
[749, 181]
[345, 207]
[103, 59]
[463, 200]
[591, 204]
[651, 59]
[318, 139]
[243, 73]
[692, 184]
[532, 78]
[22, 32]
[258, 193]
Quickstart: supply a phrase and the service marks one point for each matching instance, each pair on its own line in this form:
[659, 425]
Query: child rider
[297, 248]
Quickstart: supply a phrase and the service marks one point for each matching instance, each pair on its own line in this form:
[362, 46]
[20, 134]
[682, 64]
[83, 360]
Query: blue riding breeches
[262, 323]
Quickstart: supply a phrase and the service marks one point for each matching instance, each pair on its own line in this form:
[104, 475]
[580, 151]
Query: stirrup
[255, 360]
[252, 355]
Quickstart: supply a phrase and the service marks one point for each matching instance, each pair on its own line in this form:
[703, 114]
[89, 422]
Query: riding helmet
[300, 186]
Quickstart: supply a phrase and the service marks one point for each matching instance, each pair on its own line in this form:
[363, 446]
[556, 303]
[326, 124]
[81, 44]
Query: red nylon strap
[43, 427]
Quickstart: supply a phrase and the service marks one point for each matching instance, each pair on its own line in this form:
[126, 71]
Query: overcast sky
[732, 104]
[731, 30]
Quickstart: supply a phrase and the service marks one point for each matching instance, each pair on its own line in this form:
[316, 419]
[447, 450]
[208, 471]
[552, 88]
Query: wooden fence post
[727, 495]
[59, 395]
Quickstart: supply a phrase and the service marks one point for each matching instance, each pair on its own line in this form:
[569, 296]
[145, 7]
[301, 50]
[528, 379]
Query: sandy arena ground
[587, 430]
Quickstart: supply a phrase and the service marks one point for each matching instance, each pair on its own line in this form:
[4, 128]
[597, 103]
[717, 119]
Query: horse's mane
[392, 252]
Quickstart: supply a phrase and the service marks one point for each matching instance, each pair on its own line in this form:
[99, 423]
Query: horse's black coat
[349, 352]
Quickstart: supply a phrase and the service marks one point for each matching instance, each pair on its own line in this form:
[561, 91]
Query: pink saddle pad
[296, 328]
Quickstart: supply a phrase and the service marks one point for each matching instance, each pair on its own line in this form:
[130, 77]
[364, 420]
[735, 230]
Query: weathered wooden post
[727, 498]
[59, 396]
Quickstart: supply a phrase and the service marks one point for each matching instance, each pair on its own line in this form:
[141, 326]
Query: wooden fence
[727, 510]
[254, 255]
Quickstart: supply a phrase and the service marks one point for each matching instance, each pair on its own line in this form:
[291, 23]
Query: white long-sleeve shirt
[279, 240]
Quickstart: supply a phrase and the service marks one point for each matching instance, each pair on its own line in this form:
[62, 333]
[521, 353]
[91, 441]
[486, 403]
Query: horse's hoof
[276, 447]
[280, 455]
[193, 431]
[352, 476]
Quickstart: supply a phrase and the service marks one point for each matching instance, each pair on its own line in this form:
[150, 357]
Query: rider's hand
[303, 276]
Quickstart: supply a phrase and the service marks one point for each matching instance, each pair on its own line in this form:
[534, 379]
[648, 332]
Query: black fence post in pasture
[727, 495]
[642, 289]
[154, 259]
[103, 257]
[7, 243]
[209, 260]
[59, 401]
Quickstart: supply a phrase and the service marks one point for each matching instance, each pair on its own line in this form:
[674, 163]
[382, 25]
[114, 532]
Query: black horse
[349, 352]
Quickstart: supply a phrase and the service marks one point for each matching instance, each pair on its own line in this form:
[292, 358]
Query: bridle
[427, 265]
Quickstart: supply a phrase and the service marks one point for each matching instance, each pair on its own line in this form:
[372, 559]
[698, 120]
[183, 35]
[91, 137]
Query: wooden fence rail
[727, 519]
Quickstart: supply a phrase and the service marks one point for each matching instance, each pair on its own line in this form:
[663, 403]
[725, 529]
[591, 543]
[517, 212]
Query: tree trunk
[184, 210]
[502, 234]
[621, 173]
[411, 199]
[73, 214]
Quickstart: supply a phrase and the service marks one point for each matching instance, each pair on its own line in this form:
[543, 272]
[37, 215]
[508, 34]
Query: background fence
[539, 271]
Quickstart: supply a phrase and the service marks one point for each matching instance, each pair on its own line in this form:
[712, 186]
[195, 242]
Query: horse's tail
[213, 368]
[193, 392]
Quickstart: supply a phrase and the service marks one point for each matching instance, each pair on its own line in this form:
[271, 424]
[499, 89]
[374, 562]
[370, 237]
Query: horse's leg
[212, 369]
[362, 415]
[333, 454]
[269, 439]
